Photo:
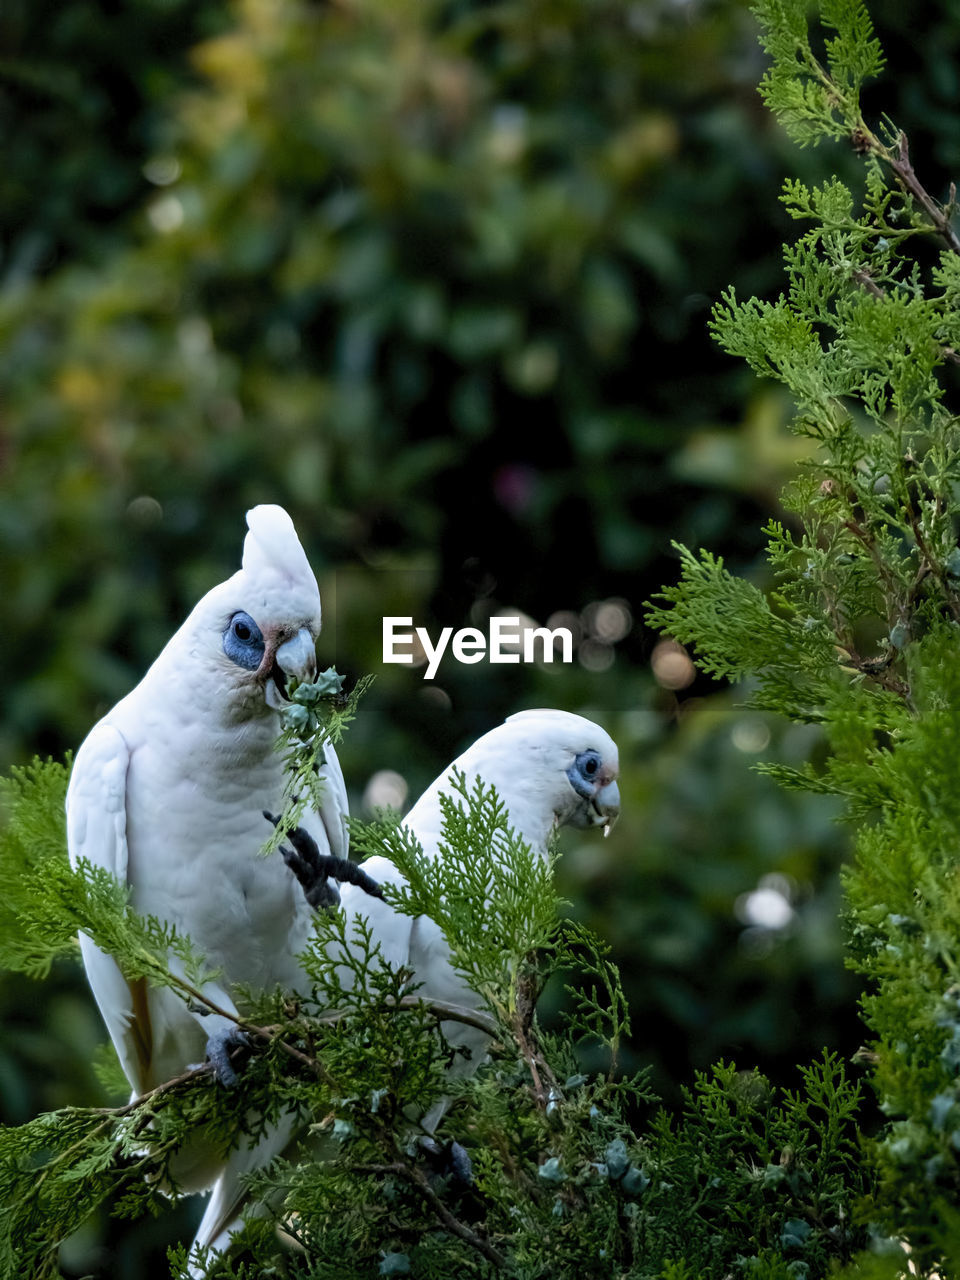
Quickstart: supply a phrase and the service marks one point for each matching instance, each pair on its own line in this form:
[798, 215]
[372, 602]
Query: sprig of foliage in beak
[316, 716]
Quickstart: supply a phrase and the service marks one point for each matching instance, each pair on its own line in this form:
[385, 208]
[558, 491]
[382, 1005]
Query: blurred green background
[436, 277]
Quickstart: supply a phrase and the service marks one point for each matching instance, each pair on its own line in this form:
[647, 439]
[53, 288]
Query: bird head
[552, 768]
[259, 628]
[574, 765]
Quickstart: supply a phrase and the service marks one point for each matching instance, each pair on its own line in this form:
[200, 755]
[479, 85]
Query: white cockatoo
[551, 769]
[168, 793]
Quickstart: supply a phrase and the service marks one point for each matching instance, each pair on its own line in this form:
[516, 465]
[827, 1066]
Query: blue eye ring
[243, 641]
[583, 773]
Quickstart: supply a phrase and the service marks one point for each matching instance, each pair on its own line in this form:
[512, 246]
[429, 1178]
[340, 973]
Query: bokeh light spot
[146, 512]
[595, 656]
[386, 789]
[672, 666]
[612, 621]
[437, 698]
[750, 735]
[765, 908]
[166, 214]
[162, 170]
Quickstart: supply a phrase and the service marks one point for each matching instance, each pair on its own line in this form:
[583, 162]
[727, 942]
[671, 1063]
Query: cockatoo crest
[275, 571]
[272, 547]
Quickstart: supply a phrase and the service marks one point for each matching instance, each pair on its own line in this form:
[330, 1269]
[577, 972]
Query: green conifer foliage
[569, 1178]
[860, 632]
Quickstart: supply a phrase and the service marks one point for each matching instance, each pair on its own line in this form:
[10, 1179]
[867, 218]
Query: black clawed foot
[318, 890]
[448, 1161]
[219, 1048]
[460, 1164]
[315, 870]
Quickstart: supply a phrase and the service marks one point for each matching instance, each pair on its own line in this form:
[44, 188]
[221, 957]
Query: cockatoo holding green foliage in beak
[168, 793]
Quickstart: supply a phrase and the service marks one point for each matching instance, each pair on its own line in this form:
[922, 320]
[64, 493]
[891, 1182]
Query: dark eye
[583, 772]
[243, 641]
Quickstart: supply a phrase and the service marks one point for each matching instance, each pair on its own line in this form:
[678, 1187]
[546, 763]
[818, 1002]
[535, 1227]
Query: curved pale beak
[607, 804]
[296, 658]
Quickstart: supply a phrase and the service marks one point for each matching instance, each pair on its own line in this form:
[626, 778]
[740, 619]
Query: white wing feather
[334, 807]
[97, 831]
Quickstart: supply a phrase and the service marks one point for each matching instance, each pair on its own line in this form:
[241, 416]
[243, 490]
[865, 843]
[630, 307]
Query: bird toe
[220, 1047]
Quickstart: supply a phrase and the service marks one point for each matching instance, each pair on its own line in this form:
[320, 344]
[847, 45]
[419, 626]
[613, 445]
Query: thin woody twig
[443, 1010]
[899, 161]
[453, 1224]
[867, 282]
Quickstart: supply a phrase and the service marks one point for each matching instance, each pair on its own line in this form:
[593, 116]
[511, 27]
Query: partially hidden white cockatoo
[168, 793]
[551, 769]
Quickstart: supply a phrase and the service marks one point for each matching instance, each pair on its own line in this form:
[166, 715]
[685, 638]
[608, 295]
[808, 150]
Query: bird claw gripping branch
[314, 870]
[219, 1048]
